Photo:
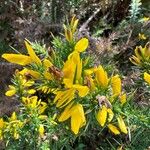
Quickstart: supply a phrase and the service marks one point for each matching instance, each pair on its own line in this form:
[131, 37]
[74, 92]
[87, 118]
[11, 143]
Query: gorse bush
[63, 96]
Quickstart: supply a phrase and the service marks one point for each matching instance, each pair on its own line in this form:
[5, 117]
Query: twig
[85, 25]
[130, 33]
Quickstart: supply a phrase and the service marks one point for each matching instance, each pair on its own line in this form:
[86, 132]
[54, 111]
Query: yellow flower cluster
[32, 103]
[75, 90]
[24, 86]
[13, 125]
[70, 29]
[106, 104]
[142, 55]
[77, 83]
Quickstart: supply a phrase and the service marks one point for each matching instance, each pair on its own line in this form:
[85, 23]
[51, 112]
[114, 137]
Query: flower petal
[66, 114]
[147, 77]
[101, 77]
[47, 63]
[77, 118]
[32, 53]
[135, 60]
[113, 129]
[122, 125]
[123, 98]
[102, 115]
[1, 123]
[81, 45]
[116, 85]
[10, 92]
[110, 114]
[83, 90]
[18, 59]
[41, 130]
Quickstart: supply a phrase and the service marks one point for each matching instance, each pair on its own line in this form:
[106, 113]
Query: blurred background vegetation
[35, 19]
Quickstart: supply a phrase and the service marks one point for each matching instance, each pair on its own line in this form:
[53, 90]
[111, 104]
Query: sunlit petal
[1, 123]
[81, 45]
[66, 114]
[47, 63]
[32, 53]
[147, 77]
[123, 98]
[113, 129]
[18, 59]
[116, 85]
[82, 90]
[41, 130]
[77, 118]
[110, 114]
[102, 116]
[10, 92]
[101, 77]
[122, 125]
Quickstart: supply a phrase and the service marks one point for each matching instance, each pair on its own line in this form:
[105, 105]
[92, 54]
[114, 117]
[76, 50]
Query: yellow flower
[145, 19]
[41, 130]
[74, 23]
[110, 114]
[66, 114]
[123, 98]
[33, 74]
[76, 113]
[101, 77]
[69, 70]
[113, 129]
[11, 91]
[28, 83]
[63, 98]
[102, 115]
[68, 34]
[82, 90]
[135, 60]
[18, 59]
[47, 63]
[31, 91]
[77, 64]
[2, 123]
[146, 50]
[13, 117]
[116, 85]
[34, 103]
[72, 71]
[147, 77]
[70, 29]
[32, 54]
[142, 36]
[122, 125]
[42, 106]
[81, 45]
[77, 118]
[139, 52]
[16, 135]
[23, 59]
